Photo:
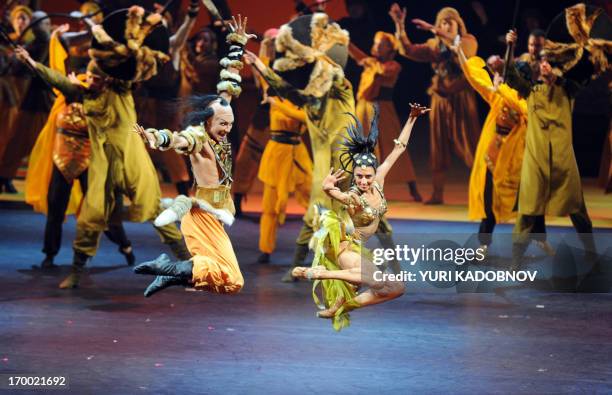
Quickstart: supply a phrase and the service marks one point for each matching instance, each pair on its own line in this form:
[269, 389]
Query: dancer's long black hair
[358, 150]
[197, 108]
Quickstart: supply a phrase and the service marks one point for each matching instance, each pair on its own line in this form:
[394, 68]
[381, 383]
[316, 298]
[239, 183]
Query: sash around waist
[285, 137]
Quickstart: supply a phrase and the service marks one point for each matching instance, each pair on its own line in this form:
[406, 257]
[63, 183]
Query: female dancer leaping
[341, 263]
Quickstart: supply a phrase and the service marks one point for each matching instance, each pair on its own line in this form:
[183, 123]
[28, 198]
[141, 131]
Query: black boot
[163, 282]
[182, 187]
[238, 204]
[128, 253]
[301, 252]
[47, 263]
[6, 184]
[179, 250]
[414, 192]
[263, 258]
[79, 261]
[162, 266]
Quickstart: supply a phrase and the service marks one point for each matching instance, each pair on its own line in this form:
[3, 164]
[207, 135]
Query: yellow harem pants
[215, 266]
[270, 218]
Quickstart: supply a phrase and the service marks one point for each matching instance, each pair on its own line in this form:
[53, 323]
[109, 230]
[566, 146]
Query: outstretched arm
[474, 72]
[276, 82]
[400, 143]
[356, 53]
[514, 78]
[416, 52]
[186, 142]
[178, 39]
[55, 79]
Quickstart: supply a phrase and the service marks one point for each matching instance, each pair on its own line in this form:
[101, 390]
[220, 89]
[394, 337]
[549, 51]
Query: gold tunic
[71, 149]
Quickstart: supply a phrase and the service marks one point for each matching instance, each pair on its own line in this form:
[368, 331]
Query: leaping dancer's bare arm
[401, 142]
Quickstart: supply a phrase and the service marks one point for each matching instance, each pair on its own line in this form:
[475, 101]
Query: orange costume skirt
[215, 267]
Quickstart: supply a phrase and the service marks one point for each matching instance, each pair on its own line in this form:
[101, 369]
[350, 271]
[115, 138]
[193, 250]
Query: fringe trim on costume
[324, 36]
[227, 62]
[228, 75]
[230, 87]
[196, 136]
[235, 38]
[181, 205]
[567, 55]
[136, 31]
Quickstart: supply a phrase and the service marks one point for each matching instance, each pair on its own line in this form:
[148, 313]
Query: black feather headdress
[358, 150]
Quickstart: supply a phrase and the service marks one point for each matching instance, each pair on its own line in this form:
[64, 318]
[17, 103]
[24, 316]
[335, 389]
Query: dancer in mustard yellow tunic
[285, 168]
[550, 180]
[325, 95]
[341, 263]
[120, 164]
[213, 266]
[57, 168]
[496, 172]
[376, 86]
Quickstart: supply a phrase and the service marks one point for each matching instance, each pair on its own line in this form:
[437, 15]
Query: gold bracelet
[399, 144]
[331, 189]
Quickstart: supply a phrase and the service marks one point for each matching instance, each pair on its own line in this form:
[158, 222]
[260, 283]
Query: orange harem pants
[215, 267]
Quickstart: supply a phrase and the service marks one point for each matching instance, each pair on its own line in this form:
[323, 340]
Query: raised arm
[178, 39]
[475, 74]
[356, 53]
[229, 86]
[330, 188]
[400, 143]
[513, 78]
[416, 52]
[55, 79]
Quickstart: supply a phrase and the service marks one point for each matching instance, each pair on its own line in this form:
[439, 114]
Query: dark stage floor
[110, 340]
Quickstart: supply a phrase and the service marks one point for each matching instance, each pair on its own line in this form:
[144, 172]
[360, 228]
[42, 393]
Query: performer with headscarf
[12, 85]
[214, 266]
[119, 162]
[495, 175]
[32, 100]
[453, 121]
[56, 179]
[377, 83]
[199, 64]
[341, 263]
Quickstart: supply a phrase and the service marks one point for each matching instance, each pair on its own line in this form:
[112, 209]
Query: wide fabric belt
[285, 137]
[74, 133]
[217, 196]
